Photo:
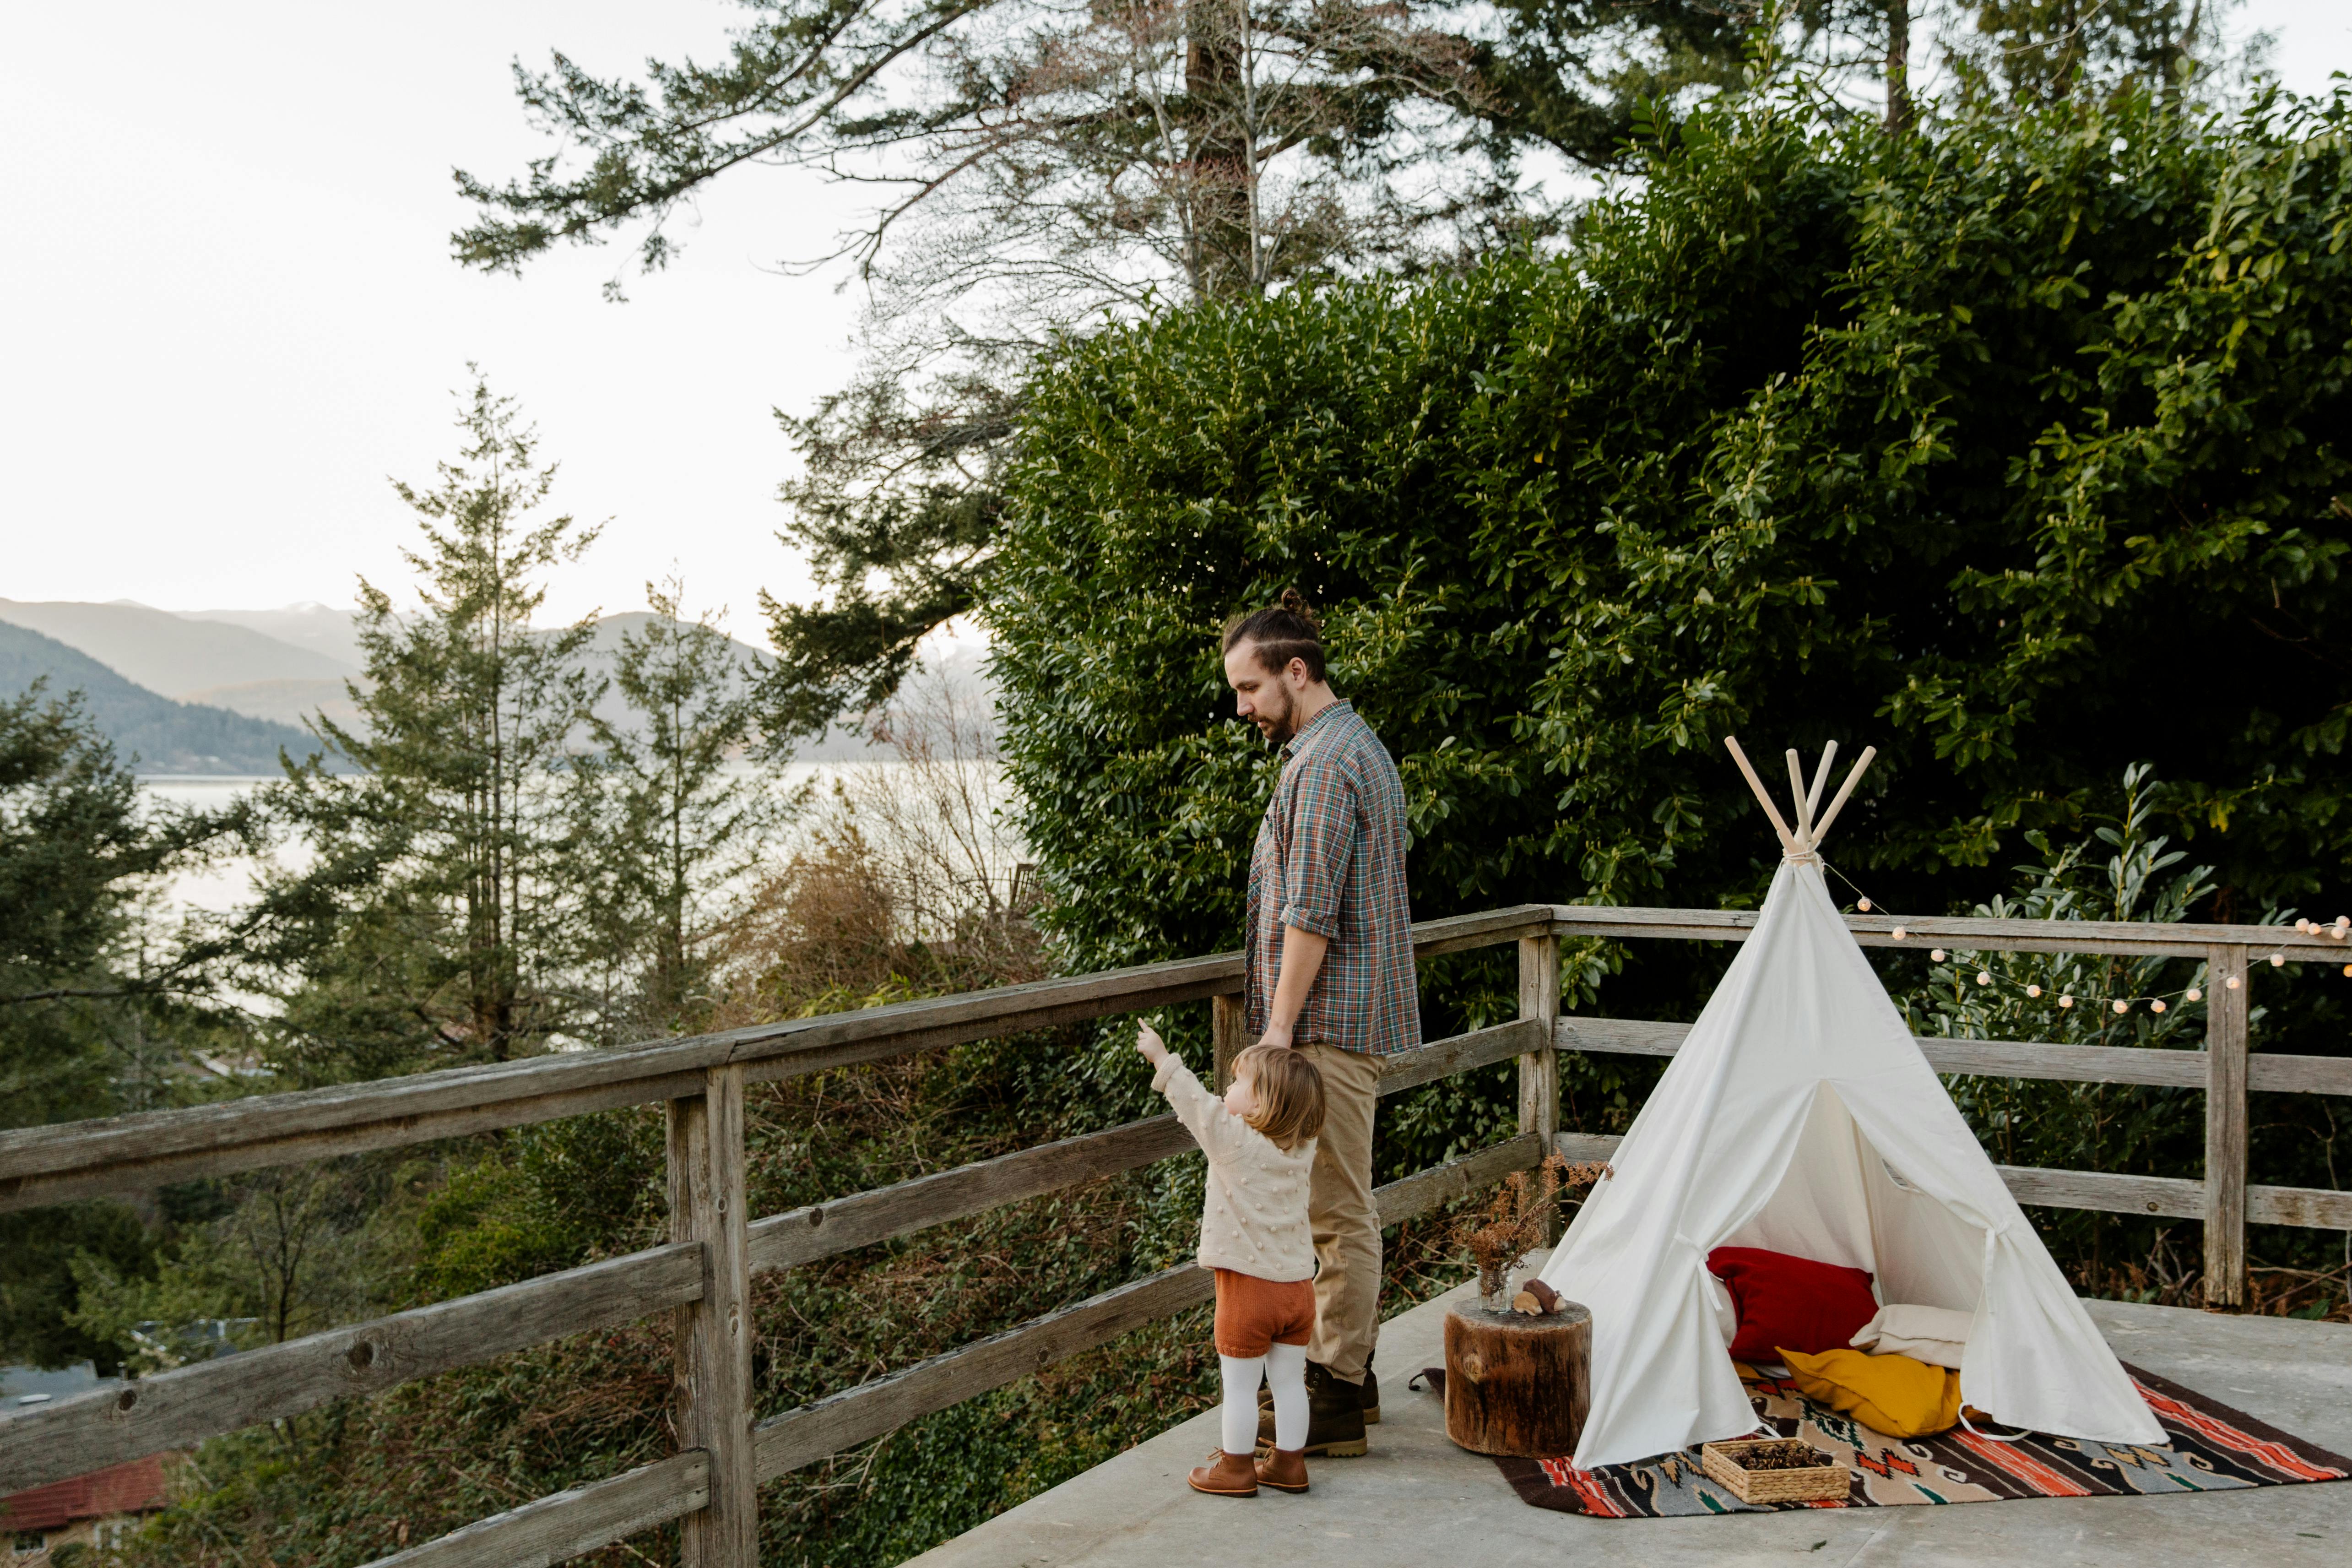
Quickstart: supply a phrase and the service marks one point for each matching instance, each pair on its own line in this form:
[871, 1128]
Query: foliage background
[2012, 448]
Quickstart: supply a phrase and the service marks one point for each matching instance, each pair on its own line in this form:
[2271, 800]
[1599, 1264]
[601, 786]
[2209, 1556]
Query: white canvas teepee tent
[1800, 1115]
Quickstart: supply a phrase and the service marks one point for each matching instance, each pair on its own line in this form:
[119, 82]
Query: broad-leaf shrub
[2013, 448]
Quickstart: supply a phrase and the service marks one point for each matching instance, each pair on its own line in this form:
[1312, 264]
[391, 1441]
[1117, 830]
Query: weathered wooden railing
[703, 1274]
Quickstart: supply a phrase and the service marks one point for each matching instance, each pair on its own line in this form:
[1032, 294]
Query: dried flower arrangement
[1517, 1218]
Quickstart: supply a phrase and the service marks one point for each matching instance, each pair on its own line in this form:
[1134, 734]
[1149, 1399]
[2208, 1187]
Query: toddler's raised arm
[1220, 1134]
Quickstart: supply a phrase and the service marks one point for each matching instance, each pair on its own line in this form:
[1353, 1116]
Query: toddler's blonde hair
[1289, 1093]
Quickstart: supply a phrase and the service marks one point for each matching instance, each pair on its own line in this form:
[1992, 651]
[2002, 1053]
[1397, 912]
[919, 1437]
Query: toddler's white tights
[1284, 1368]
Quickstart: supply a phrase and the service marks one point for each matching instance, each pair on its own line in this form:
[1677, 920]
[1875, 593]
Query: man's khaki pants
[1345, 1221]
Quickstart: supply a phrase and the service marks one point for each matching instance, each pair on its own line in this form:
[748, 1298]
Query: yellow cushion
[1891, 1393]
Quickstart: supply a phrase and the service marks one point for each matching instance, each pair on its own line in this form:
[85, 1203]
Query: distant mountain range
[272, 669]
[173, 654]
[279, 665]
[152, 732]
[320, 628]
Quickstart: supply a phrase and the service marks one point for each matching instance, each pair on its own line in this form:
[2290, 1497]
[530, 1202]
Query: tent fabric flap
[1800, 1115]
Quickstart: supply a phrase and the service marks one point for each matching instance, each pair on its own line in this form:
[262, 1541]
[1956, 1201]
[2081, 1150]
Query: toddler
[1260, 1139]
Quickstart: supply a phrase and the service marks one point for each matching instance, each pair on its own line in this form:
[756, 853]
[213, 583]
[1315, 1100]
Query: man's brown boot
[1335, 1416]
[1229, 1475]
[1283, 1469]
[1368, 1395]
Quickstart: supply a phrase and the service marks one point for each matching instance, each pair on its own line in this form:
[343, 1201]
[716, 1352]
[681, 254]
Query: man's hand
[1149, 1045]
[1302, 960]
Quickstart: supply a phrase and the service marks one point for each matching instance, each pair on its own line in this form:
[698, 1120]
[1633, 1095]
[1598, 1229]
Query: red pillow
[1792, 1303]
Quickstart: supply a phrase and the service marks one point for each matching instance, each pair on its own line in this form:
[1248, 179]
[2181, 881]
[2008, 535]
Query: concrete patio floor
[1418, 1499]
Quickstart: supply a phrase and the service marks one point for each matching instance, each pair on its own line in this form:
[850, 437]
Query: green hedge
[2015, 448]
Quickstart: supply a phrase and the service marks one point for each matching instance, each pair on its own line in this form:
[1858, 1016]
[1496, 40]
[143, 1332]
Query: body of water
[228, 883]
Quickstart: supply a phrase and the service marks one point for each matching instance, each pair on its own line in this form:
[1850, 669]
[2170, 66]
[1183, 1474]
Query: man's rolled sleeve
[1323, 846]
[1330, 860]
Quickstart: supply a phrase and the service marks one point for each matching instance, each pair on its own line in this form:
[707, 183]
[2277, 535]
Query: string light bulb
[2340, 931]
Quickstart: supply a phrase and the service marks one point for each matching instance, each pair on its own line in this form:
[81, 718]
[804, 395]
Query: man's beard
[1283, 727]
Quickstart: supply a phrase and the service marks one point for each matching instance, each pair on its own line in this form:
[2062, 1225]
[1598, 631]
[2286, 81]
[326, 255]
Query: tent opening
[1840, 1201]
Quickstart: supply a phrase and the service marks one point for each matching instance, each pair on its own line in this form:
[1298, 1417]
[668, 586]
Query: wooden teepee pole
[1821, 778]
[1787, 840]
[1845, 790]
[1804, 806]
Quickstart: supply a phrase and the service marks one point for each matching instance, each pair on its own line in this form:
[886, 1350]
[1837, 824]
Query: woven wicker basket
[1827, 1481]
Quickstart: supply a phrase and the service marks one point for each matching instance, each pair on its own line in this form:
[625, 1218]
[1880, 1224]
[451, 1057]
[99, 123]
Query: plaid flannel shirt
[1329, 860]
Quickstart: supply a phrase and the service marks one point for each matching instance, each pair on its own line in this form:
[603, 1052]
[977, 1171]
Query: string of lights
[2069, 998]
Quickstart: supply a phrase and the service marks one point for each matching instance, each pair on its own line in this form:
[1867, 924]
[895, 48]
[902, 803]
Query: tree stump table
[1517, 1384]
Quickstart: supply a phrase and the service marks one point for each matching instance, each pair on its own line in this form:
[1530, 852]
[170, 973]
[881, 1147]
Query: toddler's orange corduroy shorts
[1253, 1313]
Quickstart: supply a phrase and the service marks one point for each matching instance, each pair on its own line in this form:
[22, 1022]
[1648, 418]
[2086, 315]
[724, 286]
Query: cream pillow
[1935, 1335]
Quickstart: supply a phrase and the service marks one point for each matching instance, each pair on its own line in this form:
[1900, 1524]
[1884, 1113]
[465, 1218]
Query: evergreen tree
[674, 827]
[441, 907]
[97, 995]
[98, 1002]
[1045, 162]
[1094, 137]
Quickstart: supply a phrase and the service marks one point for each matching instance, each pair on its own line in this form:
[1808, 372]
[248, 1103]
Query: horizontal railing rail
[701, 1274]
[2169, 1196]
[1971, 933]
[179, 1408]
[2043, 1185]
[139, 1153]
[571, 1524]
[2155, 1068]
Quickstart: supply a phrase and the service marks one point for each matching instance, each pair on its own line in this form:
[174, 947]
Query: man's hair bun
[1281, 632]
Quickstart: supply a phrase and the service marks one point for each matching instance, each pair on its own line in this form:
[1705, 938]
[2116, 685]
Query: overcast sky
[230, 312]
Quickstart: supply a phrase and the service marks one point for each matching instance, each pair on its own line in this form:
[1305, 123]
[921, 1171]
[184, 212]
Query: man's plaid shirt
[1329, 860]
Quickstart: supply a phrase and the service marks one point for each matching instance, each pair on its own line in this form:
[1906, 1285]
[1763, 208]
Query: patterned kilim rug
[2213, 1449]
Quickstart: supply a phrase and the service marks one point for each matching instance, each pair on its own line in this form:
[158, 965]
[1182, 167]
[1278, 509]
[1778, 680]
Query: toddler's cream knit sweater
[1254, 1220]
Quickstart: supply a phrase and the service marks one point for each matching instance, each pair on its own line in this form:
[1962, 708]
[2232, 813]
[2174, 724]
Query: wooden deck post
[713, 1367]
[1229, 1034]
[2226, 984]
[1539, 1070]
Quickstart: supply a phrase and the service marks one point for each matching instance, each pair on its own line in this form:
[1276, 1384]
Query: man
[1329, 972]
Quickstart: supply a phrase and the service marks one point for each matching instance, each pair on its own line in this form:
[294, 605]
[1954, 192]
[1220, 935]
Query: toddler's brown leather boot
[1283, 1469]
[1227, 1475]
